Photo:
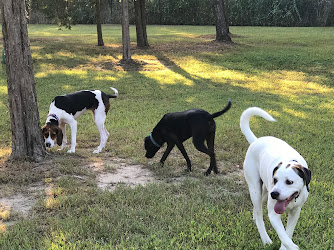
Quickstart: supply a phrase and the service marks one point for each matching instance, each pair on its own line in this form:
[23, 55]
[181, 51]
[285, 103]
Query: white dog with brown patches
[65, 109]
[272, 166]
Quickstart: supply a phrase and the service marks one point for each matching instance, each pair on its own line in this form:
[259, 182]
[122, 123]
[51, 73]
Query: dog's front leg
[169, 148]
[292, 221]
[63, 130]
[73, 126]
[185, 155]
[276, 222]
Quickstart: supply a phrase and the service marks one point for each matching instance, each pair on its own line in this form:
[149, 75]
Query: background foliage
[191, 12]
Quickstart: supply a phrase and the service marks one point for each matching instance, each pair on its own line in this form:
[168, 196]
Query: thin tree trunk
[27, 140]
[222, 29]
[98, 23]
[125, 31]
[140, 16]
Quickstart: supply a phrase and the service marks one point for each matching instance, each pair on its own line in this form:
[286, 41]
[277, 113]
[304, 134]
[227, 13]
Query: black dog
[175, 128]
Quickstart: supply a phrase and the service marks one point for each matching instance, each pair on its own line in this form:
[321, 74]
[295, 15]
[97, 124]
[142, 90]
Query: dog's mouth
[282, 204]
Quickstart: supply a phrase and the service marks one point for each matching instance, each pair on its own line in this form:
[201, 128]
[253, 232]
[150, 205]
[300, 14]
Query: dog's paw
[207, 173]
[292, 247]
[96, 151]
[71, 151]
[267, 241]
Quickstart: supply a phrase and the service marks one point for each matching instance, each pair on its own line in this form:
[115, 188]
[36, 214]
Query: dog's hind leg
[99, 121]
[200, 146]
[169, 148]
[211, 146]
[255, 190]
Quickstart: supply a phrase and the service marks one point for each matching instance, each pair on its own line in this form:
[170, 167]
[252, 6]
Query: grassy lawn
[287, 71]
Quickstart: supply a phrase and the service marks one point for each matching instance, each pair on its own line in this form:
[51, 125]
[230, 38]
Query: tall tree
[125, 31]
[98, 23]
[27, 140]
[140, 16]
[222, 27]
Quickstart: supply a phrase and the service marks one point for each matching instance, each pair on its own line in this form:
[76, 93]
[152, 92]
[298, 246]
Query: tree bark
[222, 28]
[98, 23]
[27, 139]
[140, 16]
[125, 31]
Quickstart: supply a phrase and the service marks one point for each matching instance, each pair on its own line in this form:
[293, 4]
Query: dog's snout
[48, 144]
[274, 195]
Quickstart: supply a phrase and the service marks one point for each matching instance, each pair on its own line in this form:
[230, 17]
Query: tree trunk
[27, 139]
[98, 23]
[125, 31]
[222, 28]
[140, 16]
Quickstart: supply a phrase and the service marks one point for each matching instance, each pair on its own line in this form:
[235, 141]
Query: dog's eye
[288, 182]
[275, 180]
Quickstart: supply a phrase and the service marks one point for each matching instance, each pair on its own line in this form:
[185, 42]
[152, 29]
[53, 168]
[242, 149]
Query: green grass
[287, 71]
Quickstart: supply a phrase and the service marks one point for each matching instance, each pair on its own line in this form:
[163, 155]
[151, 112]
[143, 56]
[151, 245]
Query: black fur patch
[76, 102]
[53, 122]
[304, 173]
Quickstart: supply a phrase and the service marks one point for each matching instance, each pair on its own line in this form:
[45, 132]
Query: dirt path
[110, 173]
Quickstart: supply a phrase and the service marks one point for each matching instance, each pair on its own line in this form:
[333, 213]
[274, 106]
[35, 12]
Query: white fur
[263, 155]
[66, 118]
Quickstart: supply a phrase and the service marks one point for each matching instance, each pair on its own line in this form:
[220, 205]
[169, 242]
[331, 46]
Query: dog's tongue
[280, 207]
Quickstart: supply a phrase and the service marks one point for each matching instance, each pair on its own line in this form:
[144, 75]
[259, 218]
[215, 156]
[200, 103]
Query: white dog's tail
[244, 121]
[114, 95]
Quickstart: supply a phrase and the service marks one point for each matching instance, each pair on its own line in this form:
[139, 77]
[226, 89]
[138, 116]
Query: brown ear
[59, 137]
[276, 168]
[44, 128]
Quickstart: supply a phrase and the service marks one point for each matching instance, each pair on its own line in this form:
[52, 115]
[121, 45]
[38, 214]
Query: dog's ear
[305, 174]
[44, 129]
[276, 168]
[59, 137]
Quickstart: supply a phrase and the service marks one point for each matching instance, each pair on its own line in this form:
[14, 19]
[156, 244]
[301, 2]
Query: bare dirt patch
[115, 171]
[17, 203]
[21, 185]
[131, 175]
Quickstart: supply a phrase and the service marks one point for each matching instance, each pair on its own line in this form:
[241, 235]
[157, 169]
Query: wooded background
[188, 12]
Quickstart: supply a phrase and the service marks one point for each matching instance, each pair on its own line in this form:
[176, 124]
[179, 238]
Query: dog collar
[154, 142]
[54, 116]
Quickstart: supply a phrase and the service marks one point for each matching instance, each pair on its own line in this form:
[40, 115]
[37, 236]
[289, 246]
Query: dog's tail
[244, 121]
[219, 113]
[114, 95]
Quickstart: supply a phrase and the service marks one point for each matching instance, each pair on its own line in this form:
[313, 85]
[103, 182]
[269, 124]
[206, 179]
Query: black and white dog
[175, 128]
[272, 166]
[66, 109]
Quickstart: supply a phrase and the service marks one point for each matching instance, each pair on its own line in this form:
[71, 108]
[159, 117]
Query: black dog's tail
[219, 113]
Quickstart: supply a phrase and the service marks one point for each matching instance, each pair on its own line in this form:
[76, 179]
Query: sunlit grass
[4, 215]
[5, 152]
[286, 71]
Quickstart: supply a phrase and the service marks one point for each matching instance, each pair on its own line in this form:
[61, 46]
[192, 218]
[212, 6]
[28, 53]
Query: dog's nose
[48, 144]
[274, 195]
